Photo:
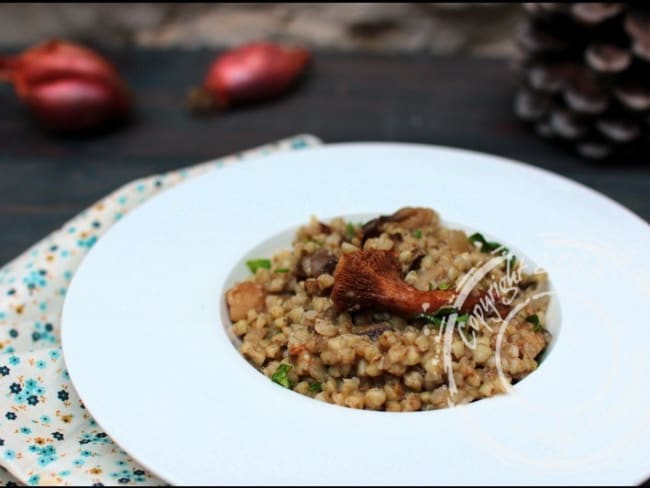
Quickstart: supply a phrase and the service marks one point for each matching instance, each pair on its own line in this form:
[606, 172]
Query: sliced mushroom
[243, 297]
[312, 288]
[413, 218]
[324, 228]
[315, 264]
[410, 218]
[372, 330]
[417, 262]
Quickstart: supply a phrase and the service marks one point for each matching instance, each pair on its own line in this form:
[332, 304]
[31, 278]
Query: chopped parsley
[281, 375]
[282, 270]
[315, 387]
[350, 229]
[444, 311]
[444, 286]
[255, 264]
[461, 319]
[436, 318]
[485, 245]
[534, 319]
[488, 247]
[430, 319]
[417, 233]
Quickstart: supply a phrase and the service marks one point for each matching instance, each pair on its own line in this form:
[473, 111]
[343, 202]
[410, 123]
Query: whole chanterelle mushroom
[372, 280]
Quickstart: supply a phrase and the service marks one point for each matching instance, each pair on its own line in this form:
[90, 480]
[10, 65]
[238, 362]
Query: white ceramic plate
[146, 347]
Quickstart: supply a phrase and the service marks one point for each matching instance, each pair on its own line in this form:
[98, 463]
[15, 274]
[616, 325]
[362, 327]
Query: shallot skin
[68, 87]
[251, 73]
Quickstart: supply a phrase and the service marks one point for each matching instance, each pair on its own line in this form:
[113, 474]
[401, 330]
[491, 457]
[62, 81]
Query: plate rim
[347, 145]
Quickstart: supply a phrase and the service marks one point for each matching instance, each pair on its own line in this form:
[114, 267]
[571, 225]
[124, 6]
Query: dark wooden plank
[347, 97]
[45, 180]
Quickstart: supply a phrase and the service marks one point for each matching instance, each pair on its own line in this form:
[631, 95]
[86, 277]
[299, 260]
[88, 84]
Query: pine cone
[586, 75]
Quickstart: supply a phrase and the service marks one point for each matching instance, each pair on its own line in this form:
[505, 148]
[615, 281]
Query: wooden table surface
[461, 102]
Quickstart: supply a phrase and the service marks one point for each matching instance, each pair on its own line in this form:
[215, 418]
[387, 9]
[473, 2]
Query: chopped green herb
[534, 319]
[255, 264]
[350, 229]
[417, 233]
[485, 245]
[462, 318]
[436, 318]
[431, 286]
[282, 270]
[315, 387]
[281, 375]
[431, 319]
[443, 286]
[316, 241]
[444, 311]
[491, 246]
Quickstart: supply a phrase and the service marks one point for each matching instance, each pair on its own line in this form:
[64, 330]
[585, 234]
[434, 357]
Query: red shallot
[250, 73]
[68, 87]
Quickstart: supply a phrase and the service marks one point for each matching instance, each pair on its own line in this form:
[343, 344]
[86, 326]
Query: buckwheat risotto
[384, 315]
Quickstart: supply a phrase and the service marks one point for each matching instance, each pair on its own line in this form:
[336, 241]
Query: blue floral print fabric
[46, 435]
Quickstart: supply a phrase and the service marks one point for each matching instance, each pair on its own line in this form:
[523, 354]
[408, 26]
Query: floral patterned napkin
[46, 435]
